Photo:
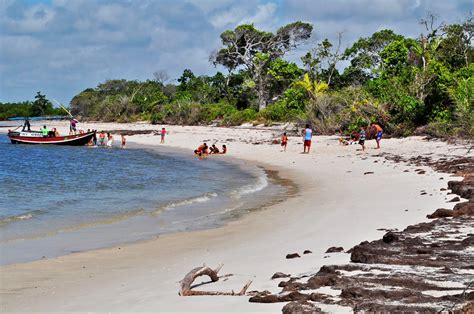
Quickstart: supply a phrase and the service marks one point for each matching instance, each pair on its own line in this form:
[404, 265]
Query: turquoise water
[55, 200]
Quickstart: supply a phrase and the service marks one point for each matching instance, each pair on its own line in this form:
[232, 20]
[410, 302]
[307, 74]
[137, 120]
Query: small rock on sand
[292, 255]
[280, 275]
[334, 249]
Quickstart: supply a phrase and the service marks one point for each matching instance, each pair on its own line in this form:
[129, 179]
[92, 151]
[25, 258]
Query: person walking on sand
[307, 135]
[362, 138]
[163, 133]
[378, 132]
[284, 141]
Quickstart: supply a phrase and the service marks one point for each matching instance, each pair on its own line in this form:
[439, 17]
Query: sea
[58, 200]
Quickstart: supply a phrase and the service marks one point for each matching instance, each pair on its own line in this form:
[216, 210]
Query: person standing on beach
[163, 133]
[307, 136]
[284, 141]
[362, 138]
[379, 133]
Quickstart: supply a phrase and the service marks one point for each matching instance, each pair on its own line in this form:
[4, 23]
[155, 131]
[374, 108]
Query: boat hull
[35, 138]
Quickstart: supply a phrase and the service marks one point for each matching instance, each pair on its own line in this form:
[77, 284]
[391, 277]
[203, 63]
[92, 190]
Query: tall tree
[364, 54]
[41, 105]
[321, 61]
[254, 50]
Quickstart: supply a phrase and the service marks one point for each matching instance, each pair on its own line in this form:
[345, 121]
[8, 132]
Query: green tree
[254, 50]
[41, 105]
[364, 54]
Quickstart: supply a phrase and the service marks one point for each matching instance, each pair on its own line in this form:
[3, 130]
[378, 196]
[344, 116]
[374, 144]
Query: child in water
[124, 140]
[110, 140]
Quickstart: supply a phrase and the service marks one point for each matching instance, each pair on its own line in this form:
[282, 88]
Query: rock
[303, 307]
[292, 255]
[334, 249]
[455, 199]
[441, 213]
[390, 237]
[368, 172]
[276, 141]
[280, 275]
[307, 252]
[272, 298]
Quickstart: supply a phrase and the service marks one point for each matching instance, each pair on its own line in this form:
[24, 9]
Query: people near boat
[94, 139]
[163, 133]
[307, 136]
[72, 126]
[213, 149]
[379, 132]
[284, 141]
[224, 149]
[56, 132]
[102, 138]
[362, 137]
[44, 131]
[26, 125]
[110, 140]
[124, 140]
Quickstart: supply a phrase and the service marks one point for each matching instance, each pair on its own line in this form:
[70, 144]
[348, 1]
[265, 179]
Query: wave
[200, 199]
[20, 217]
[260, 184]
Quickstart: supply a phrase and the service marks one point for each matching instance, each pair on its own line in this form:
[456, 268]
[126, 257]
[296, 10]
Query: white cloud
[34, 19]
[263, 18]
[69, 45]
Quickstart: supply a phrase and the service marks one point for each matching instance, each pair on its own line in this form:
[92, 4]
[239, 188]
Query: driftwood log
[186, 284]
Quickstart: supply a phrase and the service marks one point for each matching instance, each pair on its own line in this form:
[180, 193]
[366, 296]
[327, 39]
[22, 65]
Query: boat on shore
[36, 137]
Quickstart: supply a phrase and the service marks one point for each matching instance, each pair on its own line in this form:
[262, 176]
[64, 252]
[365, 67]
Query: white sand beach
[344, 196]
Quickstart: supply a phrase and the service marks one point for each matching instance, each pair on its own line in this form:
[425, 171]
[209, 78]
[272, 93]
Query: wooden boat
[36, 137]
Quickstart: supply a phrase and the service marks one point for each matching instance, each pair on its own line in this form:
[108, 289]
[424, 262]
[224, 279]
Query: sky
[61, 47]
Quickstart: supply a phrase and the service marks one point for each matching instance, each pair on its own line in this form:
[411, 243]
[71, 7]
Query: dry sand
[337, 205]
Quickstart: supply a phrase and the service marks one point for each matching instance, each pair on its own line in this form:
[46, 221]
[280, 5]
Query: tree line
[402, 83]
[41, 106]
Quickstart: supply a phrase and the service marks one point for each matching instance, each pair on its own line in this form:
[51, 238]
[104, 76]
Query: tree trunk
[262, 99]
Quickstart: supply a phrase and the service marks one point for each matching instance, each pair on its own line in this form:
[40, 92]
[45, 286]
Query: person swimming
[213, 149]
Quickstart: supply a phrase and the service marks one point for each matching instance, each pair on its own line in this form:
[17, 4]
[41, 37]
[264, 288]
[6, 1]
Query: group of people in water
[106, 139]
[204, 150]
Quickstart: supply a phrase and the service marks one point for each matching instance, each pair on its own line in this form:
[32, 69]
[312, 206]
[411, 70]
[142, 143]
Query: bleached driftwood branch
[186, 288]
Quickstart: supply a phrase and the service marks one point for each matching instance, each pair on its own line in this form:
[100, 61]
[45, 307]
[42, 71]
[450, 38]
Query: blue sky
[61, 47]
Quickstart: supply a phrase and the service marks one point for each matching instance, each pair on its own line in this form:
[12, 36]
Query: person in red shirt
[163, 133]
[284, 141]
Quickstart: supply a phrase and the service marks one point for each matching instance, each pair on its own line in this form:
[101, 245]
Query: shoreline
[334, 206]
[265, 192]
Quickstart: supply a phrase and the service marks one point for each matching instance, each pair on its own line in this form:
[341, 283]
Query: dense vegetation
[39, 107]
[401, 83]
